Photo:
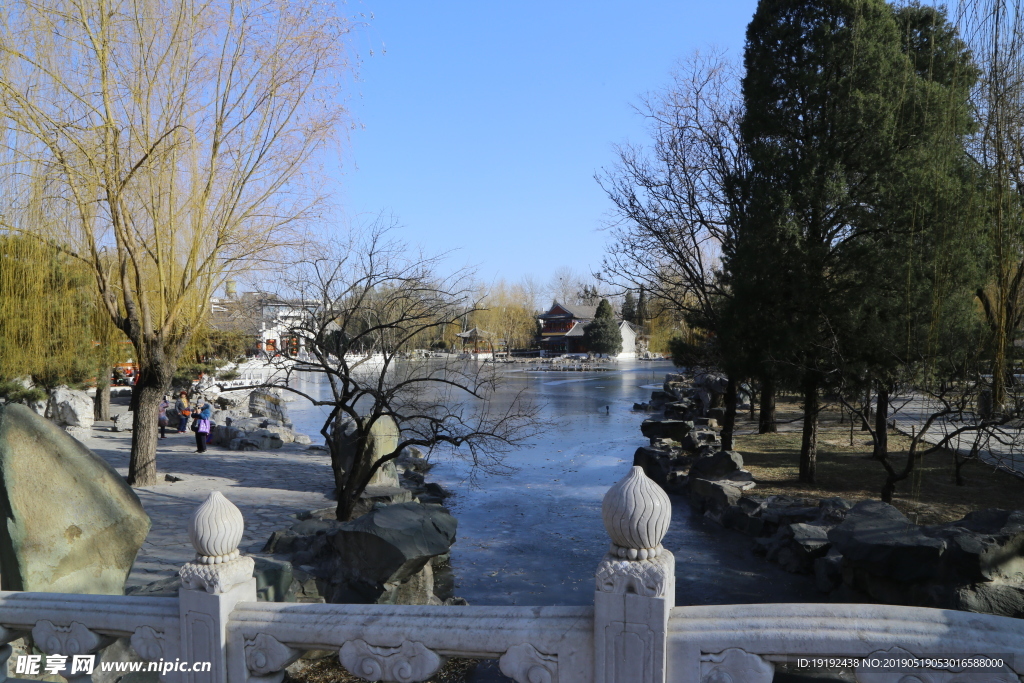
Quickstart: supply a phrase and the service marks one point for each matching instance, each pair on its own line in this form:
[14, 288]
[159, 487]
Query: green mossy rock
[70, 523]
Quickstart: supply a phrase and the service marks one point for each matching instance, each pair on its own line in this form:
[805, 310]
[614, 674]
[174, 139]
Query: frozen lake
[535, 537]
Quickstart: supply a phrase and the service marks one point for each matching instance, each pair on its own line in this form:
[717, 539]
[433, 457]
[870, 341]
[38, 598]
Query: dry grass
[328, 670]
[930, 496]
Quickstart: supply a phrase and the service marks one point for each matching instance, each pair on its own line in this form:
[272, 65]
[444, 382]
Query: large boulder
[986, 545]
[384, 556]
[70, 408]
[719, 464]
[879, 539]
[382, 441]
[666, 429]
[265, 439]
[713, 496]
[266, 404]
[72, 524]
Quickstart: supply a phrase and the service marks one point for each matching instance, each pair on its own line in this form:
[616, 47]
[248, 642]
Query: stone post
[635, 584]
[211, 586]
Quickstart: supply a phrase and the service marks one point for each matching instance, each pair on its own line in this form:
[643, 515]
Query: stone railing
[632, 633]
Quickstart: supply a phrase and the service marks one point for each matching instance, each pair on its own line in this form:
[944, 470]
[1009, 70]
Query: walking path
[269, 487]
[999, 446]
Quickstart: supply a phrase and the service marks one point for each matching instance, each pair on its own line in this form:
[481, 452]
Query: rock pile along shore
[857, 552]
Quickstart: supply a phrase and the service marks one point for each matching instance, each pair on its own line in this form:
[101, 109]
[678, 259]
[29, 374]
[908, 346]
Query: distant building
[562, 331]
[477, 342]
[268, 319]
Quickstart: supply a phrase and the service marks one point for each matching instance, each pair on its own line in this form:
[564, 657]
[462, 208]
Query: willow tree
[175, 139]
[994, 29]
[46, 336]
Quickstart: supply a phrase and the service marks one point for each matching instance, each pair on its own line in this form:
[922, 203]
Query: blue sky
[482, 123]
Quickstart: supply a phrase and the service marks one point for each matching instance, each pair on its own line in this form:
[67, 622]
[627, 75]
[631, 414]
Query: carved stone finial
[216, 530]
[636, 513]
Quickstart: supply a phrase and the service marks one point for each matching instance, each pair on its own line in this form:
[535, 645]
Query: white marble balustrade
[633, 634]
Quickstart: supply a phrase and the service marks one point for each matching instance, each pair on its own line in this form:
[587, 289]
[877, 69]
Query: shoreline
[270, 487]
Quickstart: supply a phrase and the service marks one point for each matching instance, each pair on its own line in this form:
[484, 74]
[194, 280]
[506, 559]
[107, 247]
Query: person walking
[203, 427]
[162, 417]
[181, 405]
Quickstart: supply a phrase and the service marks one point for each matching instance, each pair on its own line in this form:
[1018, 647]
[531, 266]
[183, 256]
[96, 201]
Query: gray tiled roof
[577, 311]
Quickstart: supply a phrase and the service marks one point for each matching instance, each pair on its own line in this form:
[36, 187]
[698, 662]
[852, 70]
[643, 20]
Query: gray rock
[386, 475]
[283, 433]
[265, 404]
[382, 441]
[223, 435]
[833, 510]
[229, 400]
[828, 571]
[666, 429]
[780, 510]
[302, 439]
[680, 410]
[70, 408]
[797, 546]
[696, 439]
[412, 458]
[720, 464]
[991, 598]
[736, 517]
[986, 545]
[72, 524]
[123, 422]
[660, 398]
[381, 495]
[714, 496]
[273, 580]
[248, 424]
[879, 539]
[264, 439]
[384, 556]
[656, 463]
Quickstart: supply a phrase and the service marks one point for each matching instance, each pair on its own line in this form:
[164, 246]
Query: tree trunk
[865, 425]
[729, 421]
[888, 488]
[766, 420]
[101, 404]
[753, 402]
[343, 444]
[809, 445]
[999, 374]
[146, 397]
[881, 449]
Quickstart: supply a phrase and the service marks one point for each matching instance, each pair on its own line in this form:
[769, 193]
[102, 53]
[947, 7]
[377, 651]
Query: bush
[16, 392]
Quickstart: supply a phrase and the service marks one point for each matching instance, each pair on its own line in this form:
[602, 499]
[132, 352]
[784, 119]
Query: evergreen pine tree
[821, 92]
[602, 334]
[629, 307]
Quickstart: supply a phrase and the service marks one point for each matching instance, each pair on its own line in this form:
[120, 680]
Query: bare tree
[569, 287]
[365, 301]
[171, 142]
[995, 31]
[675, 201]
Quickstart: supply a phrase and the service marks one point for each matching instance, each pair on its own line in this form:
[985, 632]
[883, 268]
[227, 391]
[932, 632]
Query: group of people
[200, 419]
